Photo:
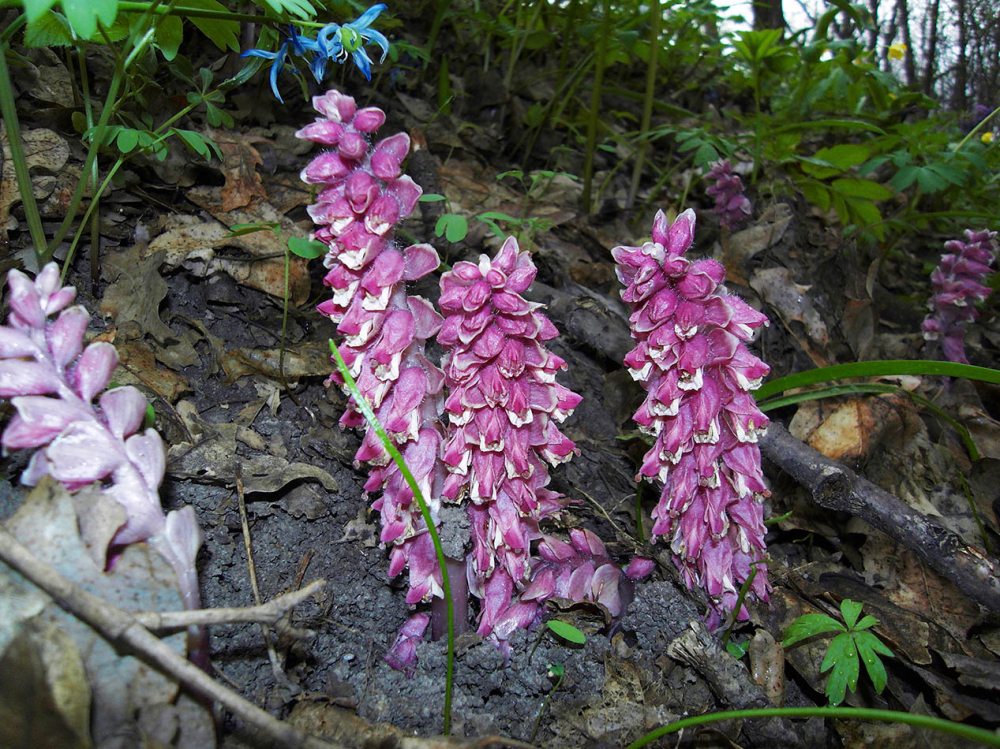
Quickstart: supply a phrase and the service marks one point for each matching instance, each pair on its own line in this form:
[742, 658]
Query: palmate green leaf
[869, 646]
[844, 156]
[809, 625]
[83, 15]
[850, 610]
[842, 657]
[48, 30]
[868, 621]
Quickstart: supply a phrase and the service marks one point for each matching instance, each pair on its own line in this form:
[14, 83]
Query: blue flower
[299, 45]
[336, 42]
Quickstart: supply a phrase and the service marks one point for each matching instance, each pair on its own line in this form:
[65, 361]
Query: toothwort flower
[958, 285]
[698, 374]
[504, 406]
[363, 196]
[52, 381]
[730, 202]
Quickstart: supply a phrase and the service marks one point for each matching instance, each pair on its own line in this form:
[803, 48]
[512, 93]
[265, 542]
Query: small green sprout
[842, 654]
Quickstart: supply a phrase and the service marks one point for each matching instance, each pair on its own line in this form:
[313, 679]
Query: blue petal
[363, 62]
[318, 67]
[378, 38]
[279, 64]
[367, 17]
[328, 40]
[259, 53]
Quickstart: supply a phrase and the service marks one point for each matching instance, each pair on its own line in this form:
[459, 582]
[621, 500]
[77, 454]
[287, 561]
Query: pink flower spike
[691, 359]
[369, 119]
[402, 656]
[322, 131]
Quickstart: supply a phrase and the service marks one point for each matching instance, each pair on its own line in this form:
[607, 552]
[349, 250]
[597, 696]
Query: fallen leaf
[136, 290]
[239, 162]
[44, 150]
[214, 458]
[307, 359]
[777, 287]
[766, 232]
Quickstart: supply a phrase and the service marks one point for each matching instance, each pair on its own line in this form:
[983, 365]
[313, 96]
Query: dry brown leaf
[135, 291]
[308, 359]
[239, 162]
[766, 232]
[214, 458]
[45, 151]
[851, 428]
[137, 366]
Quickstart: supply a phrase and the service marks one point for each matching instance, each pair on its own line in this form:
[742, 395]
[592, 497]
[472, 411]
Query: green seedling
[842, 655]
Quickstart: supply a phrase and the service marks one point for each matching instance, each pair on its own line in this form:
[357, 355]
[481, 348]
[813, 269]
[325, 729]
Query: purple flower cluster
[52, 381]
[692, 361]
[958, 285]
[727, 189]
[504, 406]
[363, 197]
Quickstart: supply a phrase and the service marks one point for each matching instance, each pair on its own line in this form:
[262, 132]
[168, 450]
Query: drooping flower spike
[727, 188]
[692, 360]
[958, 285]
[362, 198]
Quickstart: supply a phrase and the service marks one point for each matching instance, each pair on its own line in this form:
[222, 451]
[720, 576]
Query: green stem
[987, 738]
[390, 448]
[8, 108]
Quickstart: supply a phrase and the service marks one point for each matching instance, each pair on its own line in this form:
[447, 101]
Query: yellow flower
[986, 138]
[897, 51]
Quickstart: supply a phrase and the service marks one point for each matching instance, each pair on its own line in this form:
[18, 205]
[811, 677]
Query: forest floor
[196, 317]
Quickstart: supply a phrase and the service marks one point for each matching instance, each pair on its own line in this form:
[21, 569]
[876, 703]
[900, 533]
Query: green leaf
[566, 631]
[169, 34]
[149, 420]
[817, 194]
[844, 156]
[35, 9]
[497, 216]
[842, 657]
[737, 649]
[861, 188]
[809, 625]
[850, 610]
[194, 141]
[127, 139]
[871, 641]
[868, 645]
[306, 248]
[431, 197]
[301, 8]
[868, 621]
[705, 154]
[83, 15]
[239, 230]
[223, 34]
[50, 30]
[452, 226]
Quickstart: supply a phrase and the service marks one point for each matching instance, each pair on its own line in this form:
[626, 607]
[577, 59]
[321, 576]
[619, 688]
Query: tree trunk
[767, 14]
[910, 65]
[959, 96]
[930, 56]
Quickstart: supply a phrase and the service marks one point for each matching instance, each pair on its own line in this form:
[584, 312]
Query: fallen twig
[837, 487]
[268, 613]
[122, 629]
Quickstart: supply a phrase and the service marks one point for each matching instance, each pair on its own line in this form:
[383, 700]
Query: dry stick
[269, 612]
[272, 655]
[122, 630]
[837, 487]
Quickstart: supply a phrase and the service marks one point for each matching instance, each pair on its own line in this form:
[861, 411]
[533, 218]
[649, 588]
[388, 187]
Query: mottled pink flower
[958, 285]
[403, 653]
[362, 199]
[504, 405]
[727, 189]
[693, 363]
[52, 381]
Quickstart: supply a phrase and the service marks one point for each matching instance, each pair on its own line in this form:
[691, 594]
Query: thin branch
[837, 487]
[123, 630]
[268, 613]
